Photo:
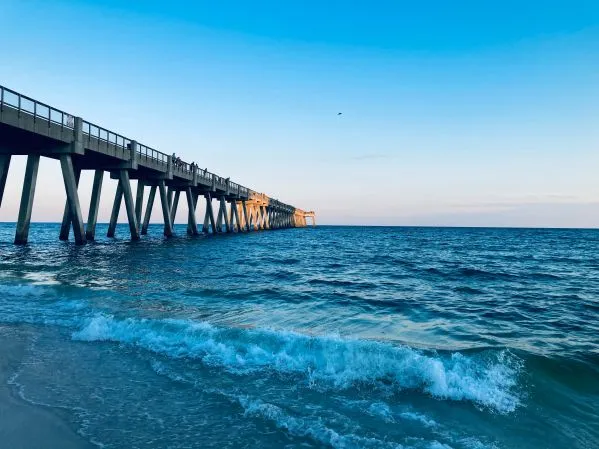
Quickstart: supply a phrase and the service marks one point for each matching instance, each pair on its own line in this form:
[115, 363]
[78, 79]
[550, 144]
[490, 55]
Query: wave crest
[488, 379]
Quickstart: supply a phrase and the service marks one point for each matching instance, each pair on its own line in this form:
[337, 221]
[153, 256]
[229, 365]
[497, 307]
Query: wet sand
[24, 425]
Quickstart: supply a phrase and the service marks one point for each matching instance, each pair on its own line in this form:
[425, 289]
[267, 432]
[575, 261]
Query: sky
[462, 113]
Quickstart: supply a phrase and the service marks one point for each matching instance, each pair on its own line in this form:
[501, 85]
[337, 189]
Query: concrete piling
[22, 232]
[118, 197]
[174, 204]
[65, 227]
[144, 228]
[129, 205]
[166, 213]
[139, 200]
[70, 176]
[192, 227]
[4, 165]
[94, 205]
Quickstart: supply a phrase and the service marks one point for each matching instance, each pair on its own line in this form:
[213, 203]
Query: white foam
[309, 428]
[419, 417]
[327, 362]
[381, 410]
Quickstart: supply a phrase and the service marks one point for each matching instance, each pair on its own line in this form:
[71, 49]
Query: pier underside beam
[148, 214]
[4, 165]
[71, 178]
[166, 213]
[94, 205]
[22, 232]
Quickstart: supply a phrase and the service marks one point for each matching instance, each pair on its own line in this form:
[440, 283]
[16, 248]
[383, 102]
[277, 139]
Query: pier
[34, 129]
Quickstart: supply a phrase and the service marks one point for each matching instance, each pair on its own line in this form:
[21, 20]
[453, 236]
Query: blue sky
[454, 113]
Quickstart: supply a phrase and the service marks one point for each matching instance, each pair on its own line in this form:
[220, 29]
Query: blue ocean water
[343, 337]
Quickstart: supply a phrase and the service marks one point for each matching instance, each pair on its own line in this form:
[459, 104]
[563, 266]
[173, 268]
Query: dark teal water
[328, 337]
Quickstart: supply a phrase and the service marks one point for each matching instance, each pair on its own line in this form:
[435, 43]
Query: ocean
[342, 337]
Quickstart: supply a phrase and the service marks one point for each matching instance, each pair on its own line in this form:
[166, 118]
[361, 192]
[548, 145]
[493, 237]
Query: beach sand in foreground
[24, 425]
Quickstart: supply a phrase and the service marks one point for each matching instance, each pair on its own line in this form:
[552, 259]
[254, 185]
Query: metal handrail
[151, 154]
[205, 175]
[182, 167]
[103, 134]
[66, 120]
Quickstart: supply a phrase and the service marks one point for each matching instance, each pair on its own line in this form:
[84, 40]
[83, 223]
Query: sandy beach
[23, 425]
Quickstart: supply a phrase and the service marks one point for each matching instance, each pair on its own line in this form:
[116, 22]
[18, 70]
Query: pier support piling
[209, 217]
[234, 217]
[223, 206]
[266, 221]
[192, 227]
[170, 199]
[219, 218]
[139, 200]
[144, 228]
[166, 213]
[22, 232]
[71, 180]
[251, 212]
[4, 165]
[193, 230]
[245, 216]
[174, 204]
[65, 227]
[129, 205]
[239, 216]
[231, 216]
[94, 205]
[118, 197]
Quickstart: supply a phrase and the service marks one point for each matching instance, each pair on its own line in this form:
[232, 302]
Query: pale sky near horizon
[478, 114]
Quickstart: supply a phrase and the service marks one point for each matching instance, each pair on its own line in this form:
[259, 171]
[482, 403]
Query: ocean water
[343, 337]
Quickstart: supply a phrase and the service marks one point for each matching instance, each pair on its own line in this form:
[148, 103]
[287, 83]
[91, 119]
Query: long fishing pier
[29, 127]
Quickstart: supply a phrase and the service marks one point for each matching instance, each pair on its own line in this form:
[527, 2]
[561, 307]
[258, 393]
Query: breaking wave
[487, 379]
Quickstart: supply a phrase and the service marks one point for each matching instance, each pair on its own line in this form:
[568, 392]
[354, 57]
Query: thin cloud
[371, 156]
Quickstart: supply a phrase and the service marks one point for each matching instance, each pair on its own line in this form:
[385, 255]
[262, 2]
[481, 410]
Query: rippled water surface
[320, 337]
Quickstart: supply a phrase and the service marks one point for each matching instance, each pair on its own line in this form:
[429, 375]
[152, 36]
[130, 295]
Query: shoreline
[24, 425]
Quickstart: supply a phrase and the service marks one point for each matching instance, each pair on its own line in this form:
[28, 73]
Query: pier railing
[24, 104]
[150, 154]
[95, 135]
